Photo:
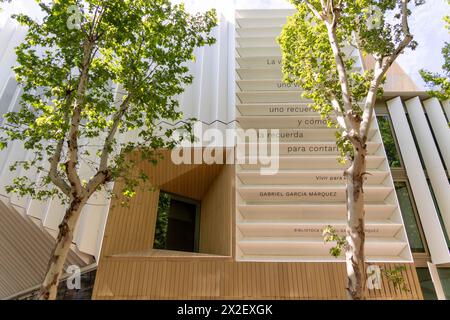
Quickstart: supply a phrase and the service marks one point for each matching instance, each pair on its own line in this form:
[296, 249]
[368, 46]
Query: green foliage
[330, 235]
[162, 221]
[440, 83]
[309, 61]
[395, 276]
[308, 58]
[137, 48]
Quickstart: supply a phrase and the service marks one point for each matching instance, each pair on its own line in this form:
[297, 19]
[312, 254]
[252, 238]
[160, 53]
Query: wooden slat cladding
[193, 184]
[131, 227]
[221, 278]
[216, 214]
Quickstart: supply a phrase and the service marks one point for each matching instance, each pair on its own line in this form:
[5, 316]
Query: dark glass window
[426, 284]
[177, 224]
[409, 217]
[387, 135]
[444, 275]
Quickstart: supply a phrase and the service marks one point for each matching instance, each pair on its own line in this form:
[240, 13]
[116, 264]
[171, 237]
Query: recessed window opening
[177, 223]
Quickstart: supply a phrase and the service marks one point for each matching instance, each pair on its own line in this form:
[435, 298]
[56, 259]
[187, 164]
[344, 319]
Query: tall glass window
[177, 223]
[392, 153]
[444, 229]
[409, 217]
[426, 284]
[444, 275]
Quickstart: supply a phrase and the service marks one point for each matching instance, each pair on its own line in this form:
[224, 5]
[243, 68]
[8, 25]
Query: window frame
[198, 210]
[426, 252]
[383, 113]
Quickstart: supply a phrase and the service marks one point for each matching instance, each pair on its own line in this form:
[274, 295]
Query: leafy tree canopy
[92, 71]
[309, 60]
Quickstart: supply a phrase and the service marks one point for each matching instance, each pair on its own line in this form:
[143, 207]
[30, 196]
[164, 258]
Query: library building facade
[247, 225]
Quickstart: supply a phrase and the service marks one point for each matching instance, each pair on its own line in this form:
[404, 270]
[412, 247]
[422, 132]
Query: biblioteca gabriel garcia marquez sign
[298, 194]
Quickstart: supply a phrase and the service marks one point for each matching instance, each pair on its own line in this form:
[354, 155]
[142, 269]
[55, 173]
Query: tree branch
[72, 141]
[53, 173]
[112, 132]
[97, 180]
[341, 117]
[104, 174]
[334, 11]
[405, 26]
[340, 66]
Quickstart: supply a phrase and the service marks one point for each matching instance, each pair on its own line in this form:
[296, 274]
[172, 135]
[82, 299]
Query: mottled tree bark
[355, 234]
[55, 269]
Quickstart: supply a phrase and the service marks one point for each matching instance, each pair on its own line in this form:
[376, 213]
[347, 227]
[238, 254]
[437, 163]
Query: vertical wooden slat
[180, 292]
[284, 282]
[304, 280]
[250, 286]
[330, 273]
[156, 284]
[315, 281]
[292, 281]
[122, 280]
[145, 279]
[153, 279]
[325, 280]
[194, 280]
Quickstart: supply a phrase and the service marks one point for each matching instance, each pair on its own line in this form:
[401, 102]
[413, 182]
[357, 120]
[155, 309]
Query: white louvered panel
[430, 154]
[54, 214]
[439, 125]
[280, 217]
[38, 209]
[8, 58]
[428, 215]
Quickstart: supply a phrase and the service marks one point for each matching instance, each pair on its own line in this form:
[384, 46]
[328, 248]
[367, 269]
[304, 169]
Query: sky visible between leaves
[426, 24]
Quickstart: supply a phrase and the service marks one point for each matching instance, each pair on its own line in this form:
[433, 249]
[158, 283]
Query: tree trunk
[355, 232]
[49, 287]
